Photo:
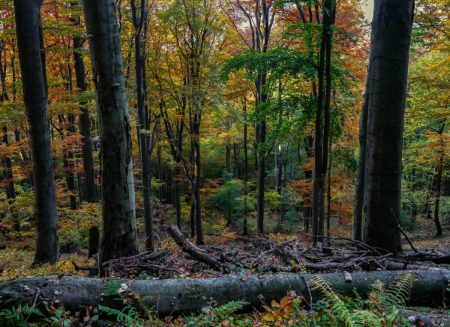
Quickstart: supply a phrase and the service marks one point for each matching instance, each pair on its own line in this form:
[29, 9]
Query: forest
[224, 163]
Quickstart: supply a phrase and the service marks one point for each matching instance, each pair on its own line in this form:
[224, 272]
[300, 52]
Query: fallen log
[174, 296]
[193, 250]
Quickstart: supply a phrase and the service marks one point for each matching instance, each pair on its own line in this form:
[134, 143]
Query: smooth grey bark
[90, 189]
[119, 237]
[391, 36]
[175, 296]
[35, 98]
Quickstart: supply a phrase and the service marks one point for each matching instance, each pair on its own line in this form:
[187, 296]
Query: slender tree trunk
[68, 171]
[428, 210]
[160, 173]
[90, 189]
[177, 195]
[245, 222]
[192, 163]
[228, 158]
[438, 197]
[391, 36]
[236, 169]
[260, 153]
[438, 186]
[7, 169]
[359, 191]
[119, 236]
[323, 110]
[35, 98]
[138, 22]
[197, 200]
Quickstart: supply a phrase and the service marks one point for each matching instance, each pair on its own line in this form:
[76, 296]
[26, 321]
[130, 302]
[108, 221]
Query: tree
[391, 36]
[35, 98]
[260, 16]
[357, 232]
[195, 26]
[140, 14]
[321, 139]
[119, 217]
[90, 189]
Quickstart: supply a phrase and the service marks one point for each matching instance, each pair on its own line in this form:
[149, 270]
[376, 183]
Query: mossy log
[174, 296]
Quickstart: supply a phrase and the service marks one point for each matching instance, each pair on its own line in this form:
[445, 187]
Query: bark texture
[174, 296]
[119, 217]
[391, 35]
[35, 98]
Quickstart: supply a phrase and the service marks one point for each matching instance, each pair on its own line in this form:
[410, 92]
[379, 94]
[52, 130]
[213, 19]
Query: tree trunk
[391, 35]
[329, 194]
[260, 152]
[119, 217]
[7, 170]
[94, 241]
[245, 222]
[177, 194]
[143, 137]
[197, 181]
[359, 191]
[194, 294]
[90, 189]
[68, 165]
[35, 98]
[438, 194]
[323, 108]
[236, 152]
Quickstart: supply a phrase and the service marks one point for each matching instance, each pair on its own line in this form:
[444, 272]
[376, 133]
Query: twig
[407, 239]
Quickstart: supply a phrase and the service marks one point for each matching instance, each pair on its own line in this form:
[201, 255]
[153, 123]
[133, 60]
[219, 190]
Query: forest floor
[255, 254]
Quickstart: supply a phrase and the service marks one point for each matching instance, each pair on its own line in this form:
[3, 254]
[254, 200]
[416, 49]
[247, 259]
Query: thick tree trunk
[35, 98]
[119, 217]
[90, 190]
[391, 35]
[174, 296]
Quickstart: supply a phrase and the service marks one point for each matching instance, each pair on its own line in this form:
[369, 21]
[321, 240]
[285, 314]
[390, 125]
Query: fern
[18, 316]
[127, 315]
[381, 309]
